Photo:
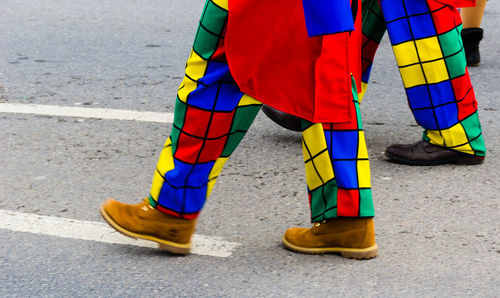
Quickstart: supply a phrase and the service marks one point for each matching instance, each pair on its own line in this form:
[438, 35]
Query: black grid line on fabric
[183, 205]
[454, 94]
[211, 138]
[442, 33]
[357, 173]
[373, 12]
[434, 60]
[450, 79]
[219, 36]
[322, 216]
[466, 143]
[456, 101]
[323, 195]
[316, 155]
[198, 81]
[185, 186]
[176, 212]
[407, 17]
[429, 11]
[222, 8]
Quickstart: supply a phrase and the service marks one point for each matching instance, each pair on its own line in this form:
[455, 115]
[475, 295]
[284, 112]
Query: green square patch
[205, 43]
[324, 201]
[214, 18]
[450, 42]
[366, 208]
[456, 65]
[180, 113]
[472, 128]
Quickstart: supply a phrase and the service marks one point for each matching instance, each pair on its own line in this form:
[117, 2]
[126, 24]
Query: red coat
[273, 60]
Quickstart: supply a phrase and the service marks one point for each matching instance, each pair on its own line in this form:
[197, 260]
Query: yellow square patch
[166, 161]
[454, 136]
[212, 178]
[362, 152]
[313, 141]
[429, 49]
[405, 53]
[156, 186]
[221, 3]
[247, 100]
[195, 70]
[361, 94]
[412, 76]
[364, 173]
[436, 71]
[187, 86]
[195, 66]
[319, 171]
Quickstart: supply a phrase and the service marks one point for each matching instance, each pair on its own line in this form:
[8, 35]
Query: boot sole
[458, 161]
[350, 253]
[172, 247]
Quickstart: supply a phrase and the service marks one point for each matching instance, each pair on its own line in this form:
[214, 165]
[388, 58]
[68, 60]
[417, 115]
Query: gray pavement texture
[437, 227]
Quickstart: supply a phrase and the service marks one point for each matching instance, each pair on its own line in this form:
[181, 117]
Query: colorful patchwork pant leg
[425, 36]
[373, 30]
[211, 117]
[337, 168]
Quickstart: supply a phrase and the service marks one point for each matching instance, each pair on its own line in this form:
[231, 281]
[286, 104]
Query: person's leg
[211, 117]
[425, 37]
[472, 33]
[338, 182]
[472, 16]
[337, 168]
[373, 27]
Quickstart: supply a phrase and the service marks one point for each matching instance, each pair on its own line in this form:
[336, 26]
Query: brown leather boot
[351, 237]
[143, 221]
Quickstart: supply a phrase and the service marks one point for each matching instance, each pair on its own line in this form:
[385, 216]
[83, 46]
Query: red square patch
[465, 96]
[445, 19]
[220, 52]
[212, 149]
[188, 148]
[435, 5]
[348, 202]
[220, 124]
[196, 121]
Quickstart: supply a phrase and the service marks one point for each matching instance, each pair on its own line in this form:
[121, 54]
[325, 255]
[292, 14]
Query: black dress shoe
[423, 153]
[285, 120]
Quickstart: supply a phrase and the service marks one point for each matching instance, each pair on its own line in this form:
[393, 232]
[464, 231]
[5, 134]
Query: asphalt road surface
[437, 227]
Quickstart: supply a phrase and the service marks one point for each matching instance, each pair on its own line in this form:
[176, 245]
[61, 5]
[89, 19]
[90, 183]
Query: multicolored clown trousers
[211, 117]
[425, 37]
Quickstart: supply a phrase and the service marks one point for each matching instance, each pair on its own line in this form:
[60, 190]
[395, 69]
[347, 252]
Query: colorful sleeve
[327, 16]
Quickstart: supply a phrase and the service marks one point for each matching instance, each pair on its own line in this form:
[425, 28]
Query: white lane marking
[100, 232]
[79, 112]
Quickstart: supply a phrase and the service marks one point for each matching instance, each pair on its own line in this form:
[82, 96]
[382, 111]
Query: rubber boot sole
[172, 247]
[462, 160]
[351, 253]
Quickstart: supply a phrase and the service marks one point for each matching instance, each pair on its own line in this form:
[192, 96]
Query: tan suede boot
[351, 237]
[143, 221]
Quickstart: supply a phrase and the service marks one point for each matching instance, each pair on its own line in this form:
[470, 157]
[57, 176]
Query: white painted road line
[79, 112]
[100, 232]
